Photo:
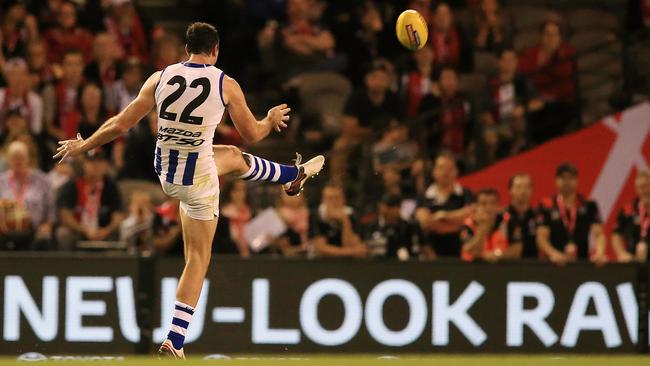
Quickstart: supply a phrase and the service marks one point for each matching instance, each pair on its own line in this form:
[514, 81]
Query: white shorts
[199, 201]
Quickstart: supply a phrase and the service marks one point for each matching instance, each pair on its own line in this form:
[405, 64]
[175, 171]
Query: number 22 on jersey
[186, 115]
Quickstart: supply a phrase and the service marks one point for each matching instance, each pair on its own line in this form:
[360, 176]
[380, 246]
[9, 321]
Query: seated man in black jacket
[333, 227]
[390, 236]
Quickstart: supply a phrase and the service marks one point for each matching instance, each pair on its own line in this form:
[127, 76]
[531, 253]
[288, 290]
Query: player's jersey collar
[192, 64]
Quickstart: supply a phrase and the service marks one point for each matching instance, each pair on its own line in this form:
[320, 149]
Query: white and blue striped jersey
[190, 105]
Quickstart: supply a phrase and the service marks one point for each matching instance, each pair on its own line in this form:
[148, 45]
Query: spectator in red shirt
[66, 116]
[18, 96]
[124, 23]
[485, 233]
[68, 35]
[417, 83]
[448, 42]
[446, 115]
[551, 67]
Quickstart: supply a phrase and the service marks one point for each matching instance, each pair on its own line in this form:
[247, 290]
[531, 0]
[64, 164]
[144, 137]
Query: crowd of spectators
[410, 123]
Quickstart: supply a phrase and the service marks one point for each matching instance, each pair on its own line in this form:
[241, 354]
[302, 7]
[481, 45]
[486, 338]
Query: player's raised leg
[197, 235]
[231, 160]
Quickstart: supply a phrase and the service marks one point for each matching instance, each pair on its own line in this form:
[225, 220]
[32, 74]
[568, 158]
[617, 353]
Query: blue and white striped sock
[265, 170]
[182, 317]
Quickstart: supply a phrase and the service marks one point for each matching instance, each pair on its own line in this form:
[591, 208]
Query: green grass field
[323, 360]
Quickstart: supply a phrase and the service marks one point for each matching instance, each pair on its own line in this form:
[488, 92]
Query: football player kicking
[191, 98]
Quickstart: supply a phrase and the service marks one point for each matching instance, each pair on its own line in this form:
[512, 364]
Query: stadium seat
[589, 19]
[592, 40]
[639, 56]
[323, 95]
[472, 84]
[525, 39]
[600, 92]
[486, 63]
[594, 112]
[593, 61]
[530, 17]
[600, 64]
[591, 80]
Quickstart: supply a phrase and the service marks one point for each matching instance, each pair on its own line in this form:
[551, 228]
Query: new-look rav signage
[94, 304]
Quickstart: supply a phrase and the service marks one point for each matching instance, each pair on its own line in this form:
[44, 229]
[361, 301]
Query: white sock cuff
[251, 169]
[183, 305]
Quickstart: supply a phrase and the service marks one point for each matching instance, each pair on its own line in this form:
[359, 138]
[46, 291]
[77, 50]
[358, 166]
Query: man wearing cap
[90, 207]
[630, 236]
[568, 221]
[389, 235]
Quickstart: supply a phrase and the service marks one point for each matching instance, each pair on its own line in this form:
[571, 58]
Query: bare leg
[197, 235]
[229, 160]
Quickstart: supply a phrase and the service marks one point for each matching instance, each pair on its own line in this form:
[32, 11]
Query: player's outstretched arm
[249, 128]
[116, 125]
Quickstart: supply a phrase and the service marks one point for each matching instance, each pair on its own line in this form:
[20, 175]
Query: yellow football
[412, 30]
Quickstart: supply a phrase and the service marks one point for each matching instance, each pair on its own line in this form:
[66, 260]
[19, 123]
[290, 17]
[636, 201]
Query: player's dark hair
[488, 192]
[201, 38]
